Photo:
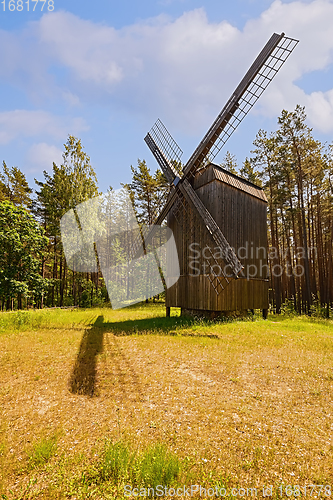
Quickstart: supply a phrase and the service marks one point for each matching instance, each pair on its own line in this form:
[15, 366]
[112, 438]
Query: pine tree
[229, 163]
[249, 173]
[147, 192]
[295, 170]
[70, 184]
[295, 134]
[14, 187]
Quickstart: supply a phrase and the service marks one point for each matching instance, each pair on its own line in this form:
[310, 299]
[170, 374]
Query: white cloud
[311, 23]
[70, 98]
[24, 123]
[84, 47]
[188, 67]
[319, 107]
[183, 70]
[41, 156]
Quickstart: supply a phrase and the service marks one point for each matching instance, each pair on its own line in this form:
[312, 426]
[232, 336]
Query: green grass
[120, 465]
[116, 463]
[157, 466]
[42, 451]
[92, 400]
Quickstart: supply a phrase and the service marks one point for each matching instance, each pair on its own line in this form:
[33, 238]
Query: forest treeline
[295, 170]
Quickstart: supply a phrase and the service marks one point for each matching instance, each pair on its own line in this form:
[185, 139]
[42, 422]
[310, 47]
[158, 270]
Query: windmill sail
[256, 80]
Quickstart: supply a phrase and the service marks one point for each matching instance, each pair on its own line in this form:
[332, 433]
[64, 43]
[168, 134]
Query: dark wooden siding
[196, 292]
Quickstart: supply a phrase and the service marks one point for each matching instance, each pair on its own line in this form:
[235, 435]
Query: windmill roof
[214, 172]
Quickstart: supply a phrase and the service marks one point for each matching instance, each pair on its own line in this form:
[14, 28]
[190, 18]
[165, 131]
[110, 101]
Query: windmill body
[218, 219]
[206, 285]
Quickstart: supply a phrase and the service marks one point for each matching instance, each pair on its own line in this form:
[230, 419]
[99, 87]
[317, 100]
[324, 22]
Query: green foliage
[71, 183]
[33, 270]
[22, 318]
[81, 178]
[22, 242]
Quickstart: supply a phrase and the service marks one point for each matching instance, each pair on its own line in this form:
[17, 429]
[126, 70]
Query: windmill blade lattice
[160, 137]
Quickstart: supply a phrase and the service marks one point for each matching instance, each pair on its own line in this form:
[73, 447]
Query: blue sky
[105, 71]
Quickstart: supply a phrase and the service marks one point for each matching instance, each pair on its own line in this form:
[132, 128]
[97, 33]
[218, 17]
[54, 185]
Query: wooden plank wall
[242, 218]
[196, 292]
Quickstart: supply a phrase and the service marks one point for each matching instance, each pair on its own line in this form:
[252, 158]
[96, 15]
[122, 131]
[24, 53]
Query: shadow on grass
[156, 325]
[83, 377]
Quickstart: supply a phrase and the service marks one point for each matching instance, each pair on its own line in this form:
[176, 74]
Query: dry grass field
[92, 400]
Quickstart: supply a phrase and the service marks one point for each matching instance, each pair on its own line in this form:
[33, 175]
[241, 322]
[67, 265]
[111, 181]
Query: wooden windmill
[213, 213]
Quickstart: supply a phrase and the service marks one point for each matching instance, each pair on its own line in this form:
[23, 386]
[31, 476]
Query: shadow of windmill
[83, 379]
[83, 376]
